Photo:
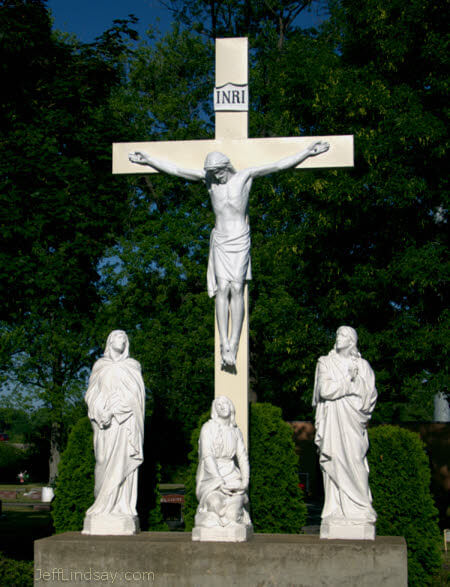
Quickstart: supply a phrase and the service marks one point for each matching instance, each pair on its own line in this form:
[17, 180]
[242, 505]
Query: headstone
[441, 408]
[345, 397]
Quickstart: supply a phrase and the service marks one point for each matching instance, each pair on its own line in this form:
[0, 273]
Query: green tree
[155, 278]
[400, 483]
[364, 246]
[234, 18]
[74, 491]
[60, 206]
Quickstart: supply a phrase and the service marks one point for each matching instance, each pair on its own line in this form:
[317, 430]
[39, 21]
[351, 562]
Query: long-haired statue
[116, 403]
[222, 478]
[345, 397]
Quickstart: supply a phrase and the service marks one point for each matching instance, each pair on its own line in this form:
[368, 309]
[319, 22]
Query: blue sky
[89, 18]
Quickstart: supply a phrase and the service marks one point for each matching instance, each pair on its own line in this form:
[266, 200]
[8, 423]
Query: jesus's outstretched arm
[166, 166]
[288, 162]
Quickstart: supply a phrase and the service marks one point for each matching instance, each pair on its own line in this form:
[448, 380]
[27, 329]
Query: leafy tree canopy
[60, 206]
[364, 247]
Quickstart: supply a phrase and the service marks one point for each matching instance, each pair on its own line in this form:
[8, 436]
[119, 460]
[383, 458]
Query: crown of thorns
[216, 160]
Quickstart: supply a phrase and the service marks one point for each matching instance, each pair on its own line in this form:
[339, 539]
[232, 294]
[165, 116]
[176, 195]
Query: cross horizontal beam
[242, 152]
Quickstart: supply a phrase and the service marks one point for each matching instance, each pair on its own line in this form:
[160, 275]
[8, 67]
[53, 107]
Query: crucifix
[227, 165]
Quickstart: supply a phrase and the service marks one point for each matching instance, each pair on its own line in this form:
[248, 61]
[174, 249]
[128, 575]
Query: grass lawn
[19, 486]
[19, 527]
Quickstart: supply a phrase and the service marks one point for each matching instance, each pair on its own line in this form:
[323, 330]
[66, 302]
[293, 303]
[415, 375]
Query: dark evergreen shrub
[190, 500]
[15, 573]
[74, 491]
[156, 521]
[400, 484]
[276, 501]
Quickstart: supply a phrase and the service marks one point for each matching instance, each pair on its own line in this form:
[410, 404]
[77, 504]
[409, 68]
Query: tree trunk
[55, 446]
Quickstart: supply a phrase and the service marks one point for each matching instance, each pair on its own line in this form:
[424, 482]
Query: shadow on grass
[19, 528]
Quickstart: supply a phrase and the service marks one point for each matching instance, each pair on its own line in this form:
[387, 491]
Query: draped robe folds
[342, 413]
[219, 448]
[229, 259]
[116, 388]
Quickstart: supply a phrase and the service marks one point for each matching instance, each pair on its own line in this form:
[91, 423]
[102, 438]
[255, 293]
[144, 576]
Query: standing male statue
[229, 254]
[345, 397]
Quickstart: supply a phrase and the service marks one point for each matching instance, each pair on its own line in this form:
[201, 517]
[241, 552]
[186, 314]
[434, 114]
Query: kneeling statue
[222, 479]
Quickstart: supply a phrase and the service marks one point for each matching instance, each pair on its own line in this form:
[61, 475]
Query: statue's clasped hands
[353, 372]
[233, 487]
[105, 420]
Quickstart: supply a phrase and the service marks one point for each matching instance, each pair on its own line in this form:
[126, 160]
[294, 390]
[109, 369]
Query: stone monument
[231, 101]
[222, 479]
[173, 558]
[345, 397]
[116, 403]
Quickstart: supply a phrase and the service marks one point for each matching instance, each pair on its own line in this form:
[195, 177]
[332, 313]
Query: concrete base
[111, 525]
[167, 559]
[336, 531]
[219, 534]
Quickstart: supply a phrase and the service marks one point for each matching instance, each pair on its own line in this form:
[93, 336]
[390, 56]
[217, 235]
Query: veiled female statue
[116, 402]
[345, 397]
[222, 478]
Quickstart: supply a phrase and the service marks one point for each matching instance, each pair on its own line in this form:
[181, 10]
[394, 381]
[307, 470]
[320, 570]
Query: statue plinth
[239, 533]
[347, 531]
[111, 525]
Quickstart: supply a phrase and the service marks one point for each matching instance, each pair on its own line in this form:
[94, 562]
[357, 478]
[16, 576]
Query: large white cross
[231, 138]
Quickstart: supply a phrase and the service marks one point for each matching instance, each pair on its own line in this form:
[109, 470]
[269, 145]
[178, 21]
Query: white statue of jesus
[229, 255]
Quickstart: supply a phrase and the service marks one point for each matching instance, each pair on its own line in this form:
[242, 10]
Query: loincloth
[229, 259]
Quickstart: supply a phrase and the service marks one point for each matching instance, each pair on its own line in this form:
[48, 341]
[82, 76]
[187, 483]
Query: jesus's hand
[138, 157]
[317, 148]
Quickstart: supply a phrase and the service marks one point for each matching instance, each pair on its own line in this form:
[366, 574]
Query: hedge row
[399, 480]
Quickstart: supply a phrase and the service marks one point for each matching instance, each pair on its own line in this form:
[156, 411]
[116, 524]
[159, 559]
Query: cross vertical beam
[232, 67]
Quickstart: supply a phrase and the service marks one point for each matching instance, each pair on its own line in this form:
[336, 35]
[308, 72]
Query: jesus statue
[229, 254]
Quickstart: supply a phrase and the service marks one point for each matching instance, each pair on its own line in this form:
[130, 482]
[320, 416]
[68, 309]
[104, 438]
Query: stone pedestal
[111, 525]
[167, 559]
[217, 534]
[342, 531]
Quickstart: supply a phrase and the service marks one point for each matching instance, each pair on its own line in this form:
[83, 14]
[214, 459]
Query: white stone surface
[345, 397]
[47, 494]
[335, 530]
[222, 478]
[219, 534]
[116, 402]
[229, 254]
[111, 525]
[441, 408]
